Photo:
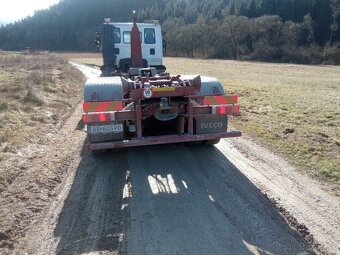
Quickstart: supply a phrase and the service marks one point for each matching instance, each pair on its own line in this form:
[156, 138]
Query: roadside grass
[292, 109]
[94, 59]
[36, 91]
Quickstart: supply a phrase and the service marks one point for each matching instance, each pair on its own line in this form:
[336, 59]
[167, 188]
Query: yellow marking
[230, 99]
[212, 100]
[215, 100]
[103, 106]
[162, 89]
[92, 107]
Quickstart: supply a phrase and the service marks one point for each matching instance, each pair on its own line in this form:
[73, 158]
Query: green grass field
[292, 109]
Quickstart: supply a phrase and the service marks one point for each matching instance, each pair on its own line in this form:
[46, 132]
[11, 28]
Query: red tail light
[84, 118]
[221, 110]
[98, 117]
[226, 109]
[102, 117]
[236, 109]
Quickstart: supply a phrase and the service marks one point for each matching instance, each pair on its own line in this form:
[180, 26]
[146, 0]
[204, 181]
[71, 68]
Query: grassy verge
[85, 58]
[37, 92]
[292, 109]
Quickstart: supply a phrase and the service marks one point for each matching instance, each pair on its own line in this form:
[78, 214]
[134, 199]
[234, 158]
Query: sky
[12, 10]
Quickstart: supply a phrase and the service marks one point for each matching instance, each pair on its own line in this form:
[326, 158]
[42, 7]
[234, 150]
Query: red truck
[138, 104]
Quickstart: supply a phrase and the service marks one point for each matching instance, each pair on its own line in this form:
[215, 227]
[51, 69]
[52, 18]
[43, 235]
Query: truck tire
[212, 142]
[106, 151]
[194, 143]
[209, 87]
[97, 153]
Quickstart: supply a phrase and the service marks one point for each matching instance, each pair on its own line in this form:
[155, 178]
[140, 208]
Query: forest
[294, 31]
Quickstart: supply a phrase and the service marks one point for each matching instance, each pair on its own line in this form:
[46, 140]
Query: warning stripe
[103, 106]
[216, 100]
[163, 89]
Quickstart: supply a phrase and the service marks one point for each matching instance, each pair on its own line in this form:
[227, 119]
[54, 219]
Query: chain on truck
[136, 103]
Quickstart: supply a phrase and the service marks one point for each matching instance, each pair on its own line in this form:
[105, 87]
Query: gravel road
[233, 198]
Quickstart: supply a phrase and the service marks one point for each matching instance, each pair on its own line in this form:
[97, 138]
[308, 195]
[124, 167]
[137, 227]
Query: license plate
[104, 129]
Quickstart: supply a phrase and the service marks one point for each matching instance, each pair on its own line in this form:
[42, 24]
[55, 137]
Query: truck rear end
[138, 104]
[160, 109]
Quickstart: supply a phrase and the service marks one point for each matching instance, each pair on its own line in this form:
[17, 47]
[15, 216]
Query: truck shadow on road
[93, 216]
[170, 199]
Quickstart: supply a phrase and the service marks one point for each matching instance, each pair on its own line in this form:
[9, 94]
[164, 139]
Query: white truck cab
[151, 39]
[151, 44]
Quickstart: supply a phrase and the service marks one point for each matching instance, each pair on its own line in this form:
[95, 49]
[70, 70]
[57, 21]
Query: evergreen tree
[271, 30]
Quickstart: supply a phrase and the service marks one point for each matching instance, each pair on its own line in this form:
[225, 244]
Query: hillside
[284, 31]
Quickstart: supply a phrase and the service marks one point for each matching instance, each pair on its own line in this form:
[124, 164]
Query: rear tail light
[226, 109]
[98, 117]
[84, 118]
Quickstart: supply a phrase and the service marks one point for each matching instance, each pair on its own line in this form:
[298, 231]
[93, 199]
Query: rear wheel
[106, 151]
[118, 150]
[211, 142]
[99, 152]
[194, 143]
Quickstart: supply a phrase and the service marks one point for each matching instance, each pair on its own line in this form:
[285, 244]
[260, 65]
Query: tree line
[300, 31]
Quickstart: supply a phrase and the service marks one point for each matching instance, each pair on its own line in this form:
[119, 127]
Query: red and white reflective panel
[98, 117]
[103, 106]
[220, 100]
[225, 109]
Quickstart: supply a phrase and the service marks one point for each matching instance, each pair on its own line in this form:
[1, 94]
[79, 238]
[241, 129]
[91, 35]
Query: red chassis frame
[194, 110]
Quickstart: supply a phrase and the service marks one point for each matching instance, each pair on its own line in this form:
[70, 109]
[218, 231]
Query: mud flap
[210, 124]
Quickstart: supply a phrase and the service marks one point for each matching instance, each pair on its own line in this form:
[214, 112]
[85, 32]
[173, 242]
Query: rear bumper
[152, 140]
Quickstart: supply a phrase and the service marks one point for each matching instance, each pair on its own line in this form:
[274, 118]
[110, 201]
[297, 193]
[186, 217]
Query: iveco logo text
[212, 125]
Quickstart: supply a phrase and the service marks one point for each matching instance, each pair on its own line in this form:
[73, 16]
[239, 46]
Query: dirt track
[235, 198]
